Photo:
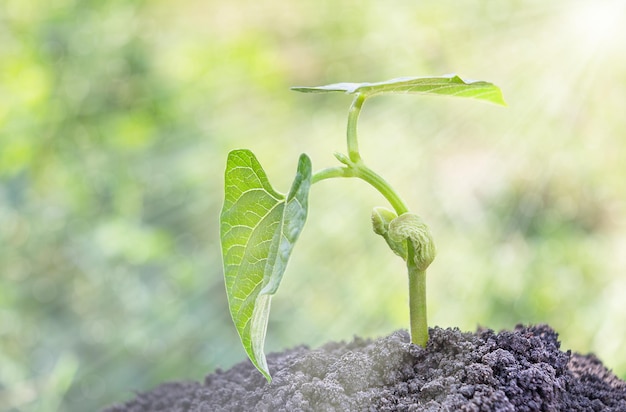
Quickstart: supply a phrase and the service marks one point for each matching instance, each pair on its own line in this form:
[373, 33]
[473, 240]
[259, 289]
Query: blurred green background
[116, 119]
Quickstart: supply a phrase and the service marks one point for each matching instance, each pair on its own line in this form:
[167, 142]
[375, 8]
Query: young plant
[259, 226]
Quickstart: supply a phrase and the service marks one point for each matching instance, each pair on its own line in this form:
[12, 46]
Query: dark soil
[523, 370]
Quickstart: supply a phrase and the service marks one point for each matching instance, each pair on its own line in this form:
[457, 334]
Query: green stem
[354, 167]
[365, 173]
[417, 300]
[353, 116]
[330, 173]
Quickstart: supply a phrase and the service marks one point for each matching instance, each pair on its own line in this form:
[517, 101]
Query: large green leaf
[258, 228]
[450, 85]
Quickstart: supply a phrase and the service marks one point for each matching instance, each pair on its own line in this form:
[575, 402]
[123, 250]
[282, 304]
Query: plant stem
[353, 116]
[417, 300]
[330, 173]
[365, 173]
[355, 167]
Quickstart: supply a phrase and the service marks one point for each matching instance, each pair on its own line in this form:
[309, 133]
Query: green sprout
[259, 226]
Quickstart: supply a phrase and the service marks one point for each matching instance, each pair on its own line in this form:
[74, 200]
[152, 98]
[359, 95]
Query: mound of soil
[522, 370]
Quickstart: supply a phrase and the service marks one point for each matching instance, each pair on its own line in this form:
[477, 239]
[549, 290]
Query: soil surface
[522, 370]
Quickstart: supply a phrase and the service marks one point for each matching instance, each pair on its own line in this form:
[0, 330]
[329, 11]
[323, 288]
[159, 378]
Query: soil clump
[519, 370]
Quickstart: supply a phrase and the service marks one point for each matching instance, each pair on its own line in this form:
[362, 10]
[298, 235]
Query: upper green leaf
[451, 85]
[258, 228]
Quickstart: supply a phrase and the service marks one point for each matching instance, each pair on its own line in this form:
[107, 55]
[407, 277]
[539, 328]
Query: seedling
[259, 226]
